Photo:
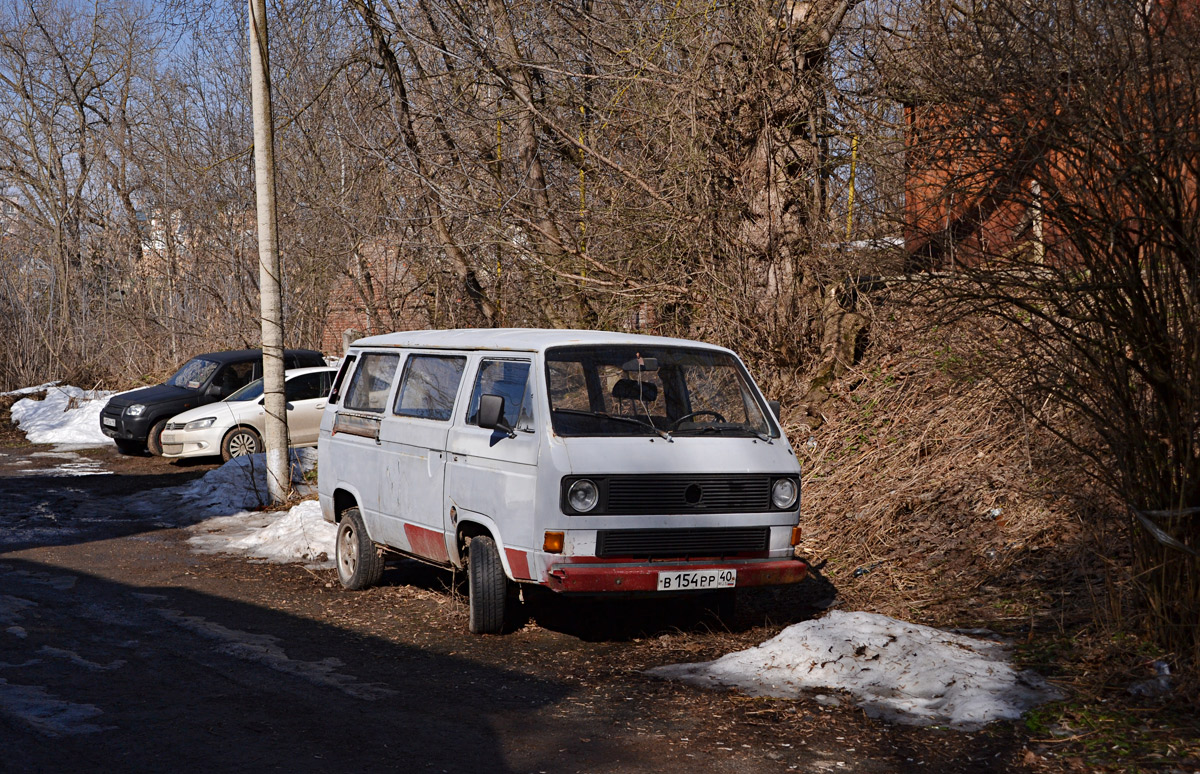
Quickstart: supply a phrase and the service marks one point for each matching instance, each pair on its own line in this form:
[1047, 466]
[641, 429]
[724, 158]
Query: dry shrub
[931, 498]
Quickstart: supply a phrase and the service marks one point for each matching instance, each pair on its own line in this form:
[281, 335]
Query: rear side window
[306, 386]
[510, 380]
[233, 377]
[371, 383]
[429, 386]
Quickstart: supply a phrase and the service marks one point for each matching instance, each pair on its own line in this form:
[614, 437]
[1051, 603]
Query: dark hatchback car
[135, 420]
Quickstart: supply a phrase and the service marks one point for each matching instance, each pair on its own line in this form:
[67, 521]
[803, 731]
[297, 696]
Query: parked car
[234, 427]
[583, 462]
[135, 420]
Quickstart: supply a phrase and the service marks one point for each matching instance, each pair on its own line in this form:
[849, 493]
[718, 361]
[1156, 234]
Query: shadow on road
[101, 676]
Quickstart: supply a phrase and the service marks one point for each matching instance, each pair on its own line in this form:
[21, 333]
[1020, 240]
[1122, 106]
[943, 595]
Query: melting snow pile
[232, 490]
[67, 415]
[298, 535]
[241, 483]
[900, 671]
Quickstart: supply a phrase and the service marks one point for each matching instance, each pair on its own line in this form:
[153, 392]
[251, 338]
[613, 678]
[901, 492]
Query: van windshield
[632, 390]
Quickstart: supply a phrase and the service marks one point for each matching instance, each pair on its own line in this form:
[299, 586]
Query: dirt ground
[121, 649]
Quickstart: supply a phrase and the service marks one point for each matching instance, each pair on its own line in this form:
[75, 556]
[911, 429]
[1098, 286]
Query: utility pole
[278, 471]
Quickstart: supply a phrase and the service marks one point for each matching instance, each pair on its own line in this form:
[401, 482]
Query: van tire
[487, 586]
[359, 563]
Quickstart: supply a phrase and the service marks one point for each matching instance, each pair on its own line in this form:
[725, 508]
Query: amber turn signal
[553, 544]
[795, 535]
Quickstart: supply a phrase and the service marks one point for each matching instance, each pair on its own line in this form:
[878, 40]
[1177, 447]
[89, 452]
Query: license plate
[697, 580]
[109, 421]
[168, 438]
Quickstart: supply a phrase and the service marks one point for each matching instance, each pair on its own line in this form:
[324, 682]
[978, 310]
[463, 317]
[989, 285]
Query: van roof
[522, 339]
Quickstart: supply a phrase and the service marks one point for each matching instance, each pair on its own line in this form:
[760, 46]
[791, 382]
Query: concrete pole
[278, 470]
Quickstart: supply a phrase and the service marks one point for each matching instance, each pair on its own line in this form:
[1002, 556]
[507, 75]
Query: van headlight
[583, 495]
[784, 492]
[200, 424]
[135, 410]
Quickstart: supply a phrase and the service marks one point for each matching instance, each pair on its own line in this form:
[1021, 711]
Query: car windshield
[252, 391]
[632, 390]
[194, 373]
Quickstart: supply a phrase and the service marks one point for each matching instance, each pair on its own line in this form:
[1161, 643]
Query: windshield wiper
[728, 426]
[602, 415]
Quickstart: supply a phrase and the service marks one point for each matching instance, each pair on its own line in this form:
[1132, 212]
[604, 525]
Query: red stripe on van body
[518, 562]
[427, 543]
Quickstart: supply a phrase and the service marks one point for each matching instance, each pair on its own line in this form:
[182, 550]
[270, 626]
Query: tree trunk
[278, 471]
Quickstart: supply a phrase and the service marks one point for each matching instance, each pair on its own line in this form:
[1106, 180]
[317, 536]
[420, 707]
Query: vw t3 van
[584, 462]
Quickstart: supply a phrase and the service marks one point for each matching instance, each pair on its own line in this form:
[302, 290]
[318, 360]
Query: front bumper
[195, 443]
[641, 577]
[115, 424]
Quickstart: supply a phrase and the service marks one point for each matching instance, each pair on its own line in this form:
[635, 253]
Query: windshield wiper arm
[615, 418]
[720, 428]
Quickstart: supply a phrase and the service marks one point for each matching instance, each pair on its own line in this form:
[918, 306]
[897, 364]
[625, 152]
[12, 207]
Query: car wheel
[359, 563]
[239, 442]
[487, 586]
[126, 446]
[154, 439]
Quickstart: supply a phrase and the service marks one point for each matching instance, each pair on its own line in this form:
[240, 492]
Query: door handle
[377, 441]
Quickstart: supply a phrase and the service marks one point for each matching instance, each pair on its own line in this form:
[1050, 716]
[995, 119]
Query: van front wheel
[487, 586]
[359, 564]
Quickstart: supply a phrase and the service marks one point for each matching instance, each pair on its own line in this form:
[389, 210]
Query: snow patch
[79, 660]
[900, 671]
[66, 415]
[240, 484]
[264, 649]
[48, 714]
[296, 535]
[31, 390]
[11, 608]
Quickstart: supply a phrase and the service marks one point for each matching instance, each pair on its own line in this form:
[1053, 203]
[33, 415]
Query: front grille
[680, 543]
[176, 425]
[172, 448]
[713, 493]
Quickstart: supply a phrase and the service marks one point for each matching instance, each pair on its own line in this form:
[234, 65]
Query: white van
[584, 462]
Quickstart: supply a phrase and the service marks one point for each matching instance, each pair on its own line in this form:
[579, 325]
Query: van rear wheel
[359, 563]
[487, 586]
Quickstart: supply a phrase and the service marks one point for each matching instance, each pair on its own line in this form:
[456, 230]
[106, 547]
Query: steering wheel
[685, 417]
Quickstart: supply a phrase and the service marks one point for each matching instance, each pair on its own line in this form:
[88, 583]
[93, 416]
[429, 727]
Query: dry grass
[923, 488]
[928, 497]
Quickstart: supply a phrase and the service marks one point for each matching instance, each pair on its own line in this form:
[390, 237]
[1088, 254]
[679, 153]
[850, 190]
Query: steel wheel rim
[347, 552]
[241, 444]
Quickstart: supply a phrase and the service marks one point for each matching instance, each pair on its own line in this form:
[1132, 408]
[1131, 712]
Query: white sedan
[234, 427]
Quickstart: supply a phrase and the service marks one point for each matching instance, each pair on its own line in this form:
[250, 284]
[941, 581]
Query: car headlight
[135, 410]
[784, 492]
[583, 495]
[200, 424]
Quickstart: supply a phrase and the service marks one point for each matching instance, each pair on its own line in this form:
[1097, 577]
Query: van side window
[372, 382]
[347, 364]
[510, 380]
[429, 385]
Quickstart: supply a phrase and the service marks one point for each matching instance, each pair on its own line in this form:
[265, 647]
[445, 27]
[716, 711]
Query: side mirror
[775, 407]
[491, 414]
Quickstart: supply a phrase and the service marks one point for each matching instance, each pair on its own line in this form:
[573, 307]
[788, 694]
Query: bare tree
[1054, 165]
